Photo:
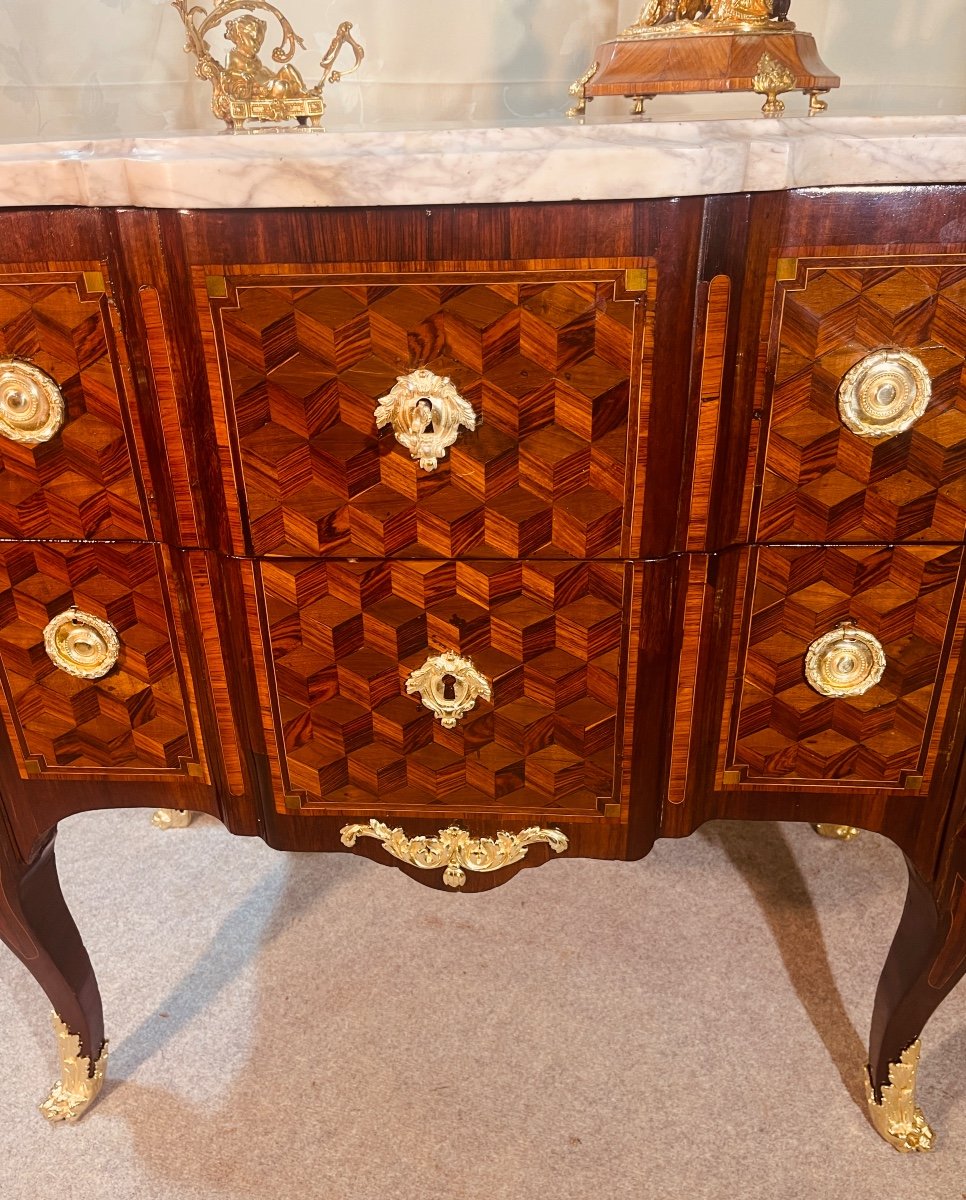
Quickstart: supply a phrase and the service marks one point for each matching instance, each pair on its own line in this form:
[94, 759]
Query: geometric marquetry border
[216, 286]
[734, 777]
[93, 285]
[32, 766]
[287, 801]
[790, 272]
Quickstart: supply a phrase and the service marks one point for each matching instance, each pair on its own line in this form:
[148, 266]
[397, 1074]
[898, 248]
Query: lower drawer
[93, 684]
[835, 673]
[447, 687]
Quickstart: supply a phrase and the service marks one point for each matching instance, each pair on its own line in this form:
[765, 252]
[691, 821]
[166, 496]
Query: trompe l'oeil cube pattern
[907, 597]
[80, 483]
[345, 637]
[134, 719]
[547, 367]
[825, 483]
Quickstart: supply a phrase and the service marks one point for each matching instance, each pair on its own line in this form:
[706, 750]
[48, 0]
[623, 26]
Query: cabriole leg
[926, 961]
[37, 926]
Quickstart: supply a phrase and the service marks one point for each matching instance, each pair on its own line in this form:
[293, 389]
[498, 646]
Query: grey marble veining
[549, 162]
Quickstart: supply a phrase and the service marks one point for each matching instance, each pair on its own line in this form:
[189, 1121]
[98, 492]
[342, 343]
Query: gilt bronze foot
[172, 818]
[840, 833]
[896, 1116]
[80, 1080]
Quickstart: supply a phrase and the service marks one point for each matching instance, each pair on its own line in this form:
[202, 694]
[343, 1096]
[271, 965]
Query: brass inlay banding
[426, 413]
[454, 851]
[31, 403]
[884, 394]
[81, 644]
[846, 662]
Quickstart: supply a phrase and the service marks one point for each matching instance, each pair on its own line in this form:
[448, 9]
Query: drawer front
[61, 381]
[328, 459]
[345, 720]
[59, 603]
[845, 338]
[780, 729]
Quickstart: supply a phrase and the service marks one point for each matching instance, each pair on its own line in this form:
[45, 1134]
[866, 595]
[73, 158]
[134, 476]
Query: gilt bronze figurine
[245, 89]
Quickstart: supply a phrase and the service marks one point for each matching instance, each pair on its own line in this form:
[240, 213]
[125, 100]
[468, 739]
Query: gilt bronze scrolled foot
[896, 1116]
[80, 1080]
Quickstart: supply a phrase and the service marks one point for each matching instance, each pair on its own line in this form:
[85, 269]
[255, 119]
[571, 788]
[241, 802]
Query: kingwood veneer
[659, 511]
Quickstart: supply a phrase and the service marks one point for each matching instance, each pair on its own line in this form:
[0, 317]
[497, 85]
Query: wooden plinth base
[763, 61]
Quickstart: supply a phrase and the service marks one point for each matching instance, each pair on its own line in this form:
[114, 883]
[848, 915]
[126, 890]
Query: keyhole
[449, 687]
[424, 410]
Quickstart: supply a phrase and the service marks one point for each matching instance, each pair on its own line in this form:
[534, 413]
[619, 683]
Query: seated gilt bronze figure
[245, 88]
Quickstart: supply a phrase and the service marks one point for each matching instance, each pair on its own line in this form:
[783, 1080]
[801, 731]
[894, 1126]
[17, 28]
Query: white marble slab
[551, 162]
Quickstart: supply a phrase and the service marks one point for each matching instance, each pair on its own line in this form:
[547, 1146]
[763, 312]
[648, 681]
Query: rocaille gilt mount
[680, 46]
[244, 89]
[454, 850]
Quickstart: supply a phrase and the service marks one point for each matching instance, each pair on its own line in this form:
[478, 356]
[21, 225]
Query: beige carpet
[315, 1026]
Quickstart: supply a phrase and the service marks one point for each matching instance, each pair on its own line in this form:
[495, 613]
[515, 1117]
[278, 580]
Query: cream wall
[100, 66]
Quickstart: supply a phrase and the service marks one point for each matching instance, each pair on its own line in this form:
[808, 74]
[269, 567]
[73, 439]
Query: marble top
[611, 157]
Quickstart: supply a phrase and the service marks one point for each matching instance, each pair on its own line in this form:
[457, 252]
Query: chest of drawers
[469, 537]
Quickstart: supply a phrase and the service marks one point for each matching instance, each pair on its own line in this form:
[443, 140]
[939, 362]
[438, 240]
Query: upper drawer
[66, 460]
[865, 401]
[514, 431]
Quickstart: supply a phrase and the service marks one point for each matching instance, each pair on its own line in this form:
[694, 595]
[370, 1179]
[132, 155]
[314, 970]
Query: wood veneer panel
[550, 361]
[134, 723]
[885, 761]
[781, 730]
[748, 239]
[820, 481]
[175, 408]
[664, 235]
[82, 482]
[340, 640]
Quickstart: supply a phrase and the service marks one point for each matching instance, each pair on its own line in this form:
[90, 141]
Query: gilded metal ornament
[449, 686]
[31, 403]
[80, 1080]
[679, 47]
[81, 644]
[577, 90]
[172, 818]
[848, 661]
[686, 18]
[773, 77]
[897, 1116]
[245, 88]
[816, 104]
[884, 394]
[426, 413]
[837, 833]
[454, 851]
